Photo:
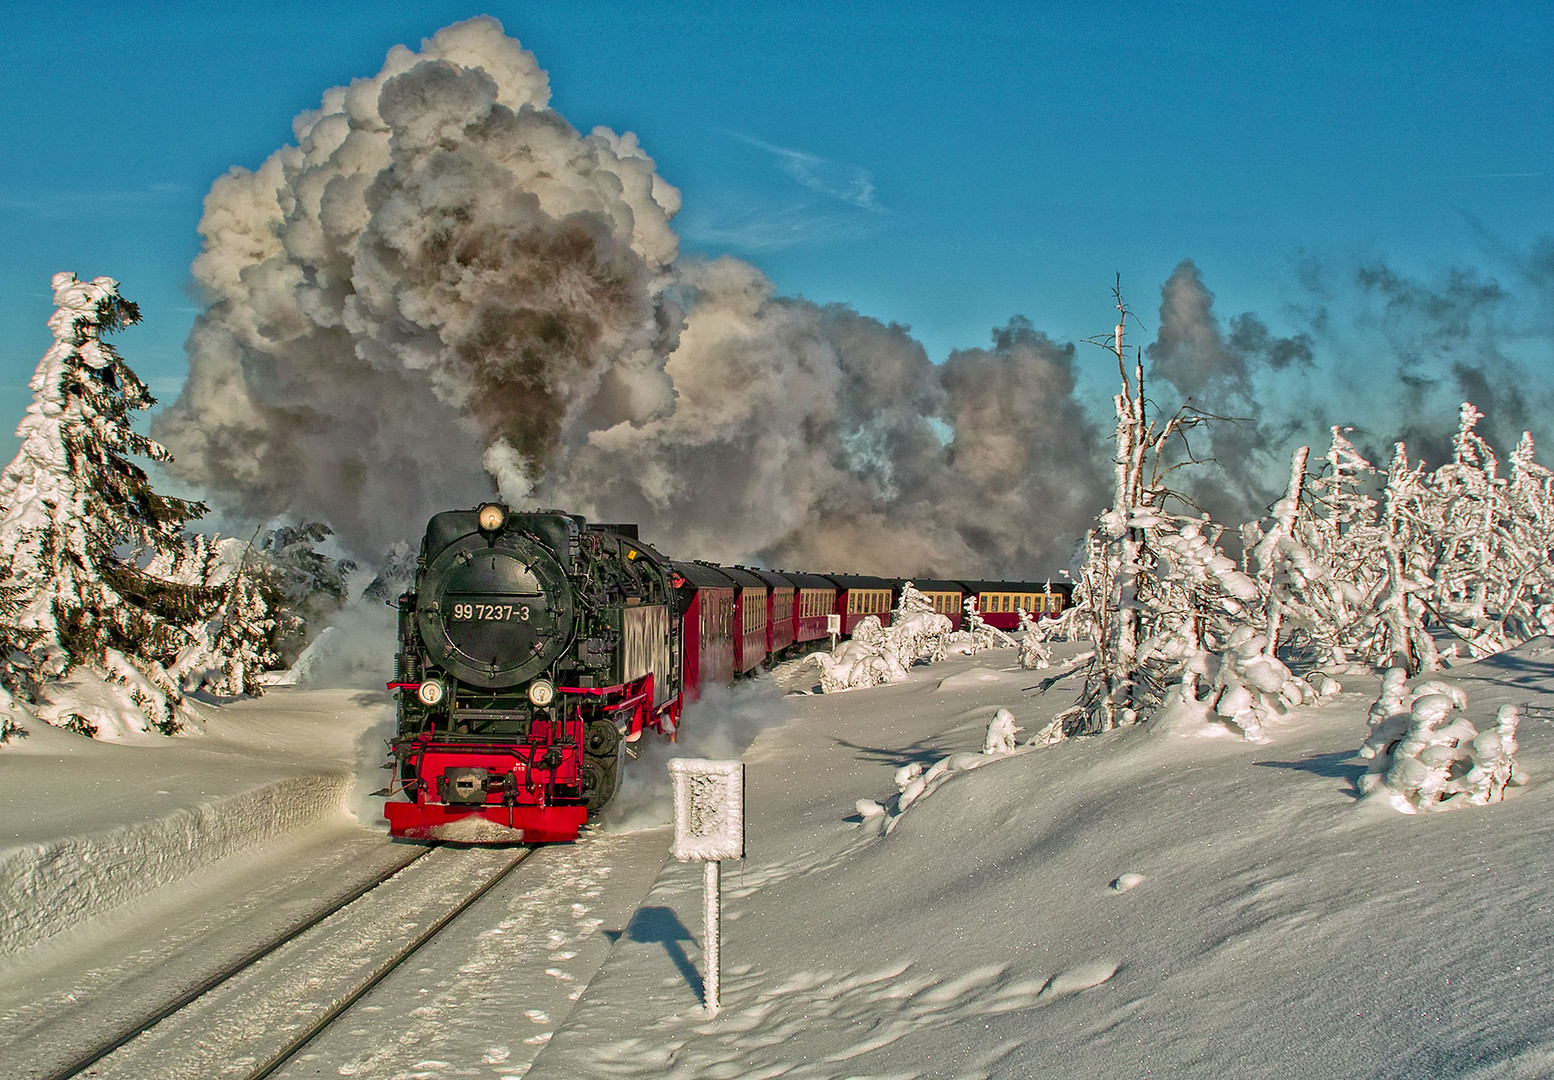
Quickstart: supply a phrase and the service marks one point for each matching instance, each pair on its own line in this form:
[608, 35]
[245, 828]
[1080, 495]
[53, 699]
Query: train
[536, 650]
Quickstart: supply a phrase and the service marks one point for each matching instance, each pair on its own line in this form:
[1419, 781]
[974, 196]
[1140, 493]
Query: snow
[1144, 902]
[89, 825]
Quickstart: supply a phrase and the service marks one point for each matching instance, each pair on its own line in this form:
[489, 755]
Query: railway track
[255, 1014]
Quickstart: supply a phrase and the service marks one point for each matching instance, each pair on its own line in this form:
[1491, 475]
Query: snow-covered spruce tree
[1468, 514]
[1527, 569]
[1315, 558]
[231, 647]
[80, 520]
[1406, 542]
[302, 585]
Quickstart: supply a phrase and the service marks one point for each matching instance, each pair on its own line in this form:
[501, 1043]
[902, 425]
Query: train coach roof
[703, 575]
[746, 579]
[1013, 586]
[930, 584]
[860, 581]
[802, 580]
[772, 578]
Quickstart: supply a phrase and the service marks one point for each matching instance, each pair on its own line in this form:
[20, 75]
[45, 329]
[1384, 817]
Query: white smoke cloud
[444, 290]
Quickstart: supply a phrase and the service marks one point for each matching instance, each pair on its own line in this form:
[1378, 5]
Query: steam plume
[443, 284]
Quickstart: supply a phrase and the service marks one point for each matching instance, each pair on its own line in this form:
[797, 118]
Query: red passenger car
[813, 603]
[707, 602]
[998, 601]
[858, 595]
[750, 608]
[780, 612]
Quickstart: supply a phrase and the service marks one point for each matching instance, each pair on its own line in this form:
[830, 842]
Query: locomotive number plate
[491, 612]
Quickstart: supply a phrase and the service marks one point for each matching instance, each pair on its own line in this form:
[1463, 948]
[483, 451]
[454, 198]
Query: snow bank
[49, 887]
[1126, 905]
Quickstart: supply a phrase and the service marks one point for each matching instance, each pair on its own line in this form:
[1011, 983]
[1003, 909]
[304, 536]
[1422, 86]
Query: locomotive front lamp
[542, 692]
[430, 692]
[492, 516]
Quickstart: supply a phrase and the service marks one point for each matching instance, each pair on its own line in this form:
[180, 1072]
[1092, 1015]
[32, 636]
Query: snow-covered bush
[861, 661]
[1001, 734]
[1249, 687]
[1425, 755]
[913, 783]
[917, 633]
[878, 654]
[80, 523]
[979, 635]
[1035, 643]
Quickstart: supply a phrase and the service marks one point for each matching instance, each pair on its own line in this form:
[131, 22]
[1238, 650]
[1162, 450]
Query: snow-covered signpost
[709, 826]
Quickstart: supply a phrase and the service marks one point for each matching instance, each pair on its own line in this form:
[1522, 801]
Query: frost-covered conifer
[231, 647]
[1399, 633]
[1468, 511]
[302, 585]
[1035, 642]
[80, 519]
[1526, 569]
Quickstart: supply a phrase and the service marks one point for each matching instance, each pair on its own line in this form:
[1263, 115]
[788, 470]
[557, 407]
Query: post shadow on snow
[1339, 765]
[662, 926]
[922, 752]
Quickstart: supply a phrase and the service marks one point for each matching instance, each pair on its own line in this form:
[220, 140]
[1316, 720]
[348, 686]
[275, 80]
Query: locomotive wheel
[598, 784]
[601, 739]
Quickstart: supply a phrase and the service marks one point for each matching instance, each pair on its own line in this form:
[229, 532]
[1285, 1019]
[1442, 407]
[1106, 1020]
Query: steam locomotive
[536, 650]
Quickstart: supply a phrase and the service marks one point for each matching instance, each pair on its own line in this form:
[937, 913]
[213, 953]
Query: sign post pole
[709, 826]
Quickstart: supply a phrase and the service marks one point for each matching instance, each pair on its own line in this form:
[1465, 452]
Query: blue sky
[946, 166]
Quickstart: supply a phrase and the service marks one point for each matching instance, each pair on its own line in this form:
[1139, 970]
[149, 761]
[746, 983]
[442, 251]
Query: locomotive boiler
[534, 650]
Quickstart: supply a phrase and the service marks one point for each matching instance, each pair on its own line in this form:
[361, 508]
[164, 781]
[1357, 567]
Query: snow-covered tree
[877, 654]
[1525, 569]
[1399, 632]
[1140, 621]
[917, 633]
[80, 520]
[1035, 641]
[396, 573]
[302, 585]
[231, 647]
[981, 634]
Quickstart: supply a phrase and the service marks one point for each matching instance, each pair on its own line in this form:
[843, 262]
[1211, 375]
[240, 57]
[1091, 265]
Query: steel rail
[242, 963]
[405, 952]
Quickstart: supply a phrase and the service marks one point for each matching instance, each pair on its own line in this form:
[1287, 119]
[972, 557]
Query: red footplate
[484, 824]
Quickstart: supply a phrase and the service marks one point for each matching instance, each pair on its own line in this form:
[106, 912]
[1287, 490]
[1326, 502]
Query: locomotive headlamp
[492, 516]
[542, 692]
[431, 692]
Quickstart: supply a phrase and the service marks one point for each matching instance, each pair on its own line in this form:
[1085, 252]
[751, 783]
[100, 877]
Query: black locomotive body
[533, 649]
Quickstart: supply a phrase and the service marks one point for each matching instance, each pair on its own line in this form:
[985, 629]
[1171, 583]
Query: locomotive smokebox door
[494, 612]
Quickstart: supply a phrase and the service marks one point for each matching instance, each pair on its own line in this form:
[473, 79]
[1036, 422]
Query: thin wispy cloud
[756, 228]
[838, 180]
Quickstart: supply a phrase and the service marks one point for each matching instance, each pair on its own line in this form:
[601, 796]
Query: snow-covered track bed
[257, 1013]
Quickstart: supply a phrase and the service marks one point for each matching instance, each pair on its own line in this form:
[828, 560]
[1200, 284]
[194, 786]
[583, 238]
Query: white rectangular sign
[709, 809]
